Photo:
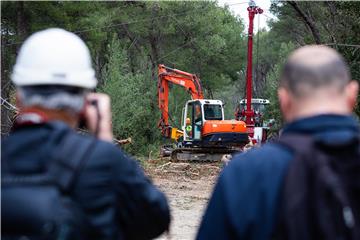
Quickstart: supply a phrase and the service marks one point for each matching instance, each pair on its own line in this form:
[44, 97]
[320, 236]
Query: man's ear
[285, 103]
[352, 91]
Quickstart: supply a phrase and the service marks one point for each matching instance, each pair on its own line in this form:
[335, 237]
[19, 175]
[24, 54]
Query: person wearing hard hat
[188, 127]
[44, 160]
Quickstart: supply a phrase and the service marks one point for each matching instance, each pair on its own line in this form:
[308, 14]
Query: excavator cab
[199, 112]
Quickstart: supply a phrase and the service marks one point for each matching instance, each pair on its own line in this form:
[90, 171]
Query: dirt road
[188, 187]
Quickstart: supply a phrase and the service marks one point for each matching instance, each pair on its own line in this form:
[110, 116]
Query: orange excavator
[204, 134]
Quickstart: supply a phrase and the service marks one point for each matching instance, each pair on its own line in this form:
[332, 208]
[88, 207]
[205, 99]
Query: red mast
[249, 112]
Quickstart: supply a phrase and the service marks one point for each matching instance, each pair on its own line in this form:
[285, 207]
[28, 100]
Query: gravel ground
[188, 187]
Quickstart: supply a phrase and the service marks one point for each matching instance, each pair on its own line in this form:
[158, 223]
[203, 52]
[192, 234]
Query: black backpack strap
[70, 160]
[301, 146]
[302, 214]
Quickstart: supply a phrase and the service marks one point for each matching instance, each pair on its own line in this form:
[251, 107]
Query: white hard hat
[54, 57]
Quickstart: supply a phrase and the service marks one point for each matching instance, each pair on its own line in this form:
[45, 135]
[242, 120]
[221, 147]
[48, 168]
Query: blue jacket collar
[329, 127]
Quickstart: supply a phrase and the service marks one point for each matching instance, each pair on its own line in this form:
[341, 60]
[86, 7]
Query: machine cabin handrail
[187, 80]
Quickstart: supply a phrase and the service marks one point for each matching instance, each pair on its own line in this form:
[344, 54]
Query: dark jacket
[245, 201]
[118, 199]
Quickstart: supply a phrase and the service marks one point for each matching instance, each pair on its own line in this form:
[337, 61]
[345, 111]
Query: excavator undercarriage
[202, 154]
[216, 148]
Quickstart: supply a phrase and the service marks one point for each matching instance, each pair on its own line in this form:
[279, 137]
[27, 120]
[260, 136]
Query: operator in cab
[188, 127]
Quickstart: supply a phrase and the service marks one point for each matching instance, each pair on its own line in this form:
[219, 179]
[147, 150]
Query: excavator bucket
[176, 133]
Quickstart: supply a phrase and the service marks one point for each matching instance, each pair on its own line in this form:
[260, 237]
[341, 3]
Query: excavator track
[201, 154]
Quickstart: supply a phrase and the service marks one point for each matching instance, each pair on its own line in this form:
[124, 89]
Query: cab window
[213, 112]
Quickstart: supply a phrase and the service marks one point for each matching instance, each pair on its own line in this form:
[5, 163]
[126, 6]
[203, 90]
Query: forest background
[128, 40]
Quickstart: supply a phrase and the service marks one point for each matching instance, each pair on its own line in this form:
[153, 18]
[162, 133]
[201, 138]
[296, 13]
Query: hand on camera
[105, 128]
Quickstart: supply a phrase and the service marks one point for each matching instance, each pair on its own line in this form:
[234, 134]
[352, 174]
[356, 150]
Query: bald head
[316, 80]
[312, 68]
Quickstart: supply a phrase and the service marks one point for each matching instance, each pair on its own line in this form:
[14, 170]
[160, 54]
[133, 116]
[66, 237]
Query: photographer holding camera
[57, 184]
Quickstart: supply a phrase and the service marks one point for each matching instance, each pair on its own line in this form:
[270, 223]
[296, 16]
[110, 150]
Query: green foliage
[273, 111]
[132, 101]
[336, 22]
[128, 39]
[230, 94]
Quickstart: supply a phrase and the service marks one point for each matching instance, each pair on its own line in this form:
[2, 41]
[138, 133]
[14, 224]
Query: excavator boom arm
[187, 80]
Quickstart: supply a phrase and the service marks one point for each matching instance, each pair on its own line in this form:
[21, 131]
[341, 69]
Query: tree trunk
[22, 22]
[22, 31]
[5, 87]
[154, 41]
[308, 21]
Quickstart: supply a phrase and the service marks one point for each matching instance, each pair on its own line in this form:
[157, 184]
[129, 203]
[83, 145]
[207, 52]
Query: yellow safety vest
[188, 128]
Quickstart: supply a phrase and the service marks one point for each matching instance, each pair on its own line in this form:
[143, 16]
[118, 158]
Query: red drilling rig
[251, 110]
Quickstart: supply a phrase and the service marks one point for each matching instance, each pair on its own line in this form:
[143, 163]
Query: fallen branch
[117, 141]
[123, 141]
[164, 165]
